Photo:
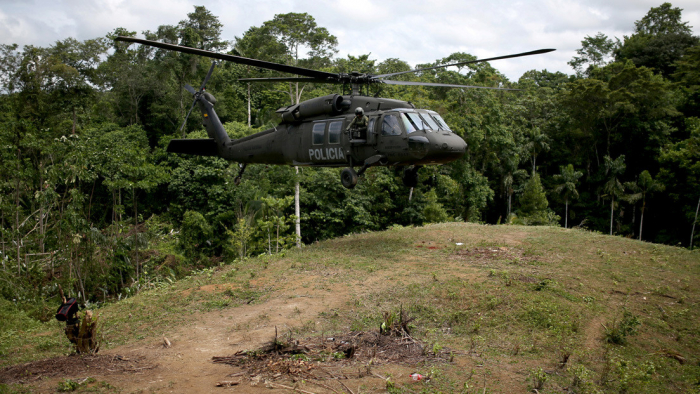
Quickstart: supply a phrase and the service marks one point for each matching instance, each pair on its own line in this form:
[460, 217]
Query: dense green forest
[90, 199]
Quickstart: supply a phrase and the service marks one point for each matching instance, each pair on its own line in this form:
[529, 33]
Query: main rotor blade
[232, 58]
[190, 89]
[537, 52]
[182, 128]
[447, 85]
[285, 79]
[206, 79]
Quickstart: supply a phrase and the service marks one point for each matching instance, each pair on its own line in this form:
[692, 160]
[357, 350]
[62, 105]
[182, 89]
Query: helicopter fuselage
[315, 133]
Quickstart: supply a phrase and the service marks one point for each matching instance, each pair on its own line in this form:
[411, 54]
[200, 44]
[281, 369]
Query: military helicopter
[315, 132]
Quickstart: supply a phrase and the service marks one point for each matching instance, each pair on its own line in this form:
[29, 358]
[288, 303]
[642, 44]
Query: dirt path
[186, 366]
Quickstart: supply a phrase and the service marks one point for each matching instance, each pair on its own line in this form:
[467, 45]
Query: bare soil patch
[316, 357]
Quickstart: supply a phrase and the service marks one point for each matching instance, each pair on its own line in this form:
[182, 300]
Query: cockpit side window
[408, 124]
[390, 125]
[318, 133]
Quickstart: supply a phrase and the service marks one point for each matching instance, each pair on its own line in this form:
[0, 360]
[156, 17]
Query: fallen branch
[323, 385]
[227, 383]
[346, 387]
[289, 388]
[379, 376]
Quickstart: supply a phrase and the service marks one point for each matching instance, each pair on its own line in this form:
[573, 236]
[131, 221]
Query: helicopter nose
[446, 149]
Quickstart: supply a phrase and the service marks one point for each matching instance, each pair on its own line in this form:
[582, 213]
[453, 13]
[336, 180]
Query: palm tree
[537, 142]
[646, 184]
[566, 187]
[613, 187]
[513, 182]
[692, 233]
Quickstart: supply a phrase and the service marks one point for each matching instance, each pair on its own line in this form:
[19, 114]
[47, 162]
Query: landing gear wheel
[349, 178]
[410, 177]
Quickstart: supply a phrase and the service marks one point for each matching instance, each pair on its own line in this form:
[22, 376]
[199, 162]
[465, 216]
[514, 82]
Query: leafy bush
[13, 318]
[618, 332]
[433, 211]
[67, 385]
[195, 235]
[539, 378]
[534, 209]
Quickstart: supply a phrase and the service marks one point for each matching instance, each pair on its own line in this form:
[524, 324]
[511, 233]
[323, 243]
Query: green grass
[521, 307]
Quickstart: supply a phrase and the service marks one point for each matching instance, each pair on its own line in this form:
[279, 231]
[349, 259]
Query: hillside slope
[516, 308]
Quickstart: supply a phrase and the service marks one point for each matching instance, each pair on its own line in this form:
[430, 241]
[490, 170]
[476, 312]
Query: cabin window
[318, 133]
[390, 125]
[334, 130]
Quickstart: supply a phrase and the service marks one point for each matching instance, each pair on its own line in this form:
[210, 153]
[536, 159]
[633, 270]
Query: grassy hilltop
[518, 308]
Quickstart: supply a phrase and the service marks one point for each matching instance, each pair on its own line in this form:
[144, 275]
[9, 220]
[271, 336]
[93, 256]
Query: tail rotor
[197, 95]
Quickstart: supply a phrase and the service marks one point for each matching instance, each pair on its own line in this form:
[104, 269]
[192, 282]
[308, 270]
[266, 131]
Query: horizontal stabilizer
[199, 147]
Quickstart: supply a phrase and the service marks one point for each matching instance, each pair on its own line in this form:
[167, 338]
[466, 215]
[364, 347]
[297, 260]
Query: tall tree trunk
[136, 233]
[2, 238]
[566, 214]
[692, 233]
[42, 229]
[19, 264]
[641, 219]
[297, 209]
[248, 104]
[612, 209]
[90, 203]
[114, 211]
[73, 131]
[510, 195]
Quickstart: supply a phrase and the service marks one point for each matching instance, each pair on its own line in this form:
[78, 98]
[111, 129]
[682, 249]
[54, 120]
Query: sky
[413, 31]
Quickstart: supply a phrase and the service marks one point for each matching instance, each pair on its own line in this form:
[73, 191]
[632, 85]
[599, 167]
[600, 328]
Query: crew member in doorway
[358, 125]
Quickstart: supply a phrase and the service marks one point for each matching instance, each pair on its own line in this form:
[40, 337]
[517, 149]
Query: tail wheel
[410, 177]
[348, 177]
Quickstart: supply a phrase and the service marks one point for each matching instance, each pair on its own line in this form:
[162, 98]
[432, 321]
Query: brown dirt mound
[315, 358]
[70, 366]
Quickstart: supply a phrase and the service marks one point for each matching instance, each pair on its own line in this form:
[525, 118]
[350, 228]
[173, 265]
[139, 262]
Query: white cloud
[411, 30]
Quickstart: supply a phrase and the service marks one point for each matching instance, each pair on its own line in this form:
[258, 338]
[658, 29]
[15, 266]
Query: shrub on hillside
[195, 235]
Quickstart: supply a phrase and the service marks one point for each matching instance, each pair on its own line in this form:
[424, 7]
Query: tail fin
[215, 130]
[218, 138]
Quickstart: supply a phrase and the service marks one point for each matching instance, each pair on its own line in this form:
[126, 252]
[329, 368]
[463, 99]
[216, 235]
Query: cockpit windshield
[423, 120]
[433, 124]
[440, 121]
[418, 120]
